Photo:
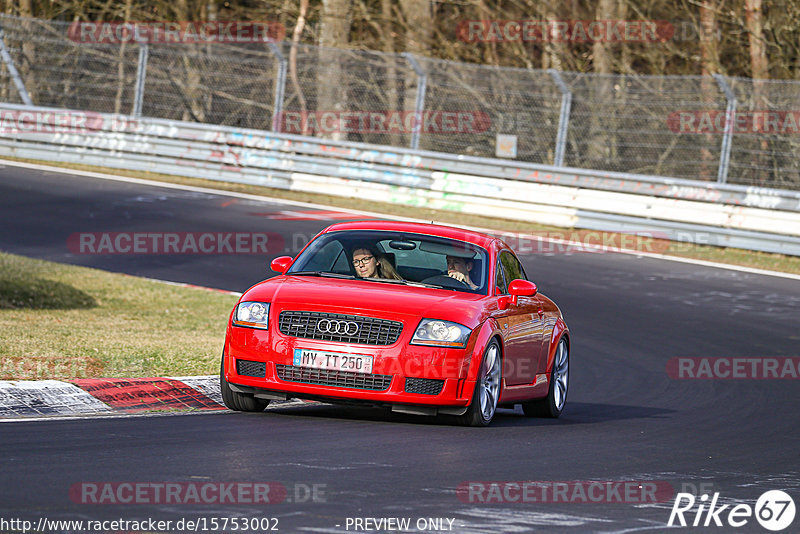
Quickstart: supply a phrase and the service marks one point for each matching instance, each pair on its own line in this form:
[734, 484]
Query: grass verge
[732, 256]
[61, 321]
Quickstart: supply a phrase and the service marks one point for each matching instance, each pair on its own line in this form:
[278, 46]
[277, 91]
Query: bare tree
[126, 16]
[554, 50]
[755, 28]
[601, 145]
[602, 49]
[709, 63]
[297, 32]
[382, 24]
[419, 25]
[334, 33]
[25, 8]
[191, 85]
[419, 32]
[759, 68]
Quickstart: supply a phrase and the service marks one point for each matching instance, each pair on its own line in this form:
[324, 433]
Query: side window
[500, 284]
[522, 270]
[324, 259]
[343, 264]
[511, 267]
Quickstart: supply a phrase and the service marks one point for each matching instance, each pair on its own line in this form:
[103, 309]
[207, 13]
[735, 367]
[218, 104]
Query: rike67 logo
[774, 510]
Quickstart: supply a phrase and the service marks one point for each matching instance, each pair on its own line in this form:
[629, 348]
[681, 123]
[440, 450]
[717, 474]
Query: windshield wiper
[402, 282]
[328, 274]
[324, 274]
[422, 284]
[385, 280]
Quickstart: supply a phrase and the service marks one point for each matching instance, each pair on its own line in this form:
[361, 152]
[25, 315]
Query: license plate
[332, 361]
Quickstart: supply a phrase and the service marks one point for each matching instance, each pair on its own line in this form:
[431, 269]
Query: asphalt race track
[626, 420]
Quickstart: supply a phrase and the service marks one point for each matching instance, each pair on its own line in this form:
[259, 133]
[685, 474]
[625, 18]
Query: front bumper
[426, 366]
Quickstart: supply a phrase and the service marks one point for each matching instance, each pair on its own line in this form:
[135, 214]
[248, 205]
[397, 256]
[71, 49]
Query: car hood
[374, 299]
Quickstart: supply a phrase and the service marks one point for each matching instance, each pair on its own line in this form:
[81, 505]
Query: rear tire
[240, 402]
[487, 389]
[552, 405]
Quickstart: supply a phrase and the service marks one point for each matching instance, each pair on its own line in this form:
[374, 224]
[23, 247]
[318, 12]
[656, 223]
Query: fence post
[12, 70]
[141, 73]
[280, 87]
[727, 136]
[419, 104]
[563, 117]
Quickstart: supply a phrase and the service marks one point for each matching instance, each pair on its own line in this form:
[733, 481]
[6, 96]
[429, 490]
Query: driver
[459, 268]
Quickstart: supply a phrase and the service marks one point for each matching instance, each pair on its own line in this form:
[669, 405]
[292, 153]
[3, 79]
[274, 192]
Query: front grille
[251, 368]
[323, 377]
[425, 386]
[370, 331]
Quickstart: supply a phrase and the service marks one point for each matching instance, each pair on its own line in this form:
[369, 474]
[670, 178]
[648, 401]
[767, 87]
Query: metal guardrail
[685, 210]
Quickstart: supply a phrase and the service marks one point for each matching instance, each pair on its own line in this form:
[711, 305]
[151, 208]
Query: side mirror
[504, 301]
[281, 264]
[522, 288]
[517, 288]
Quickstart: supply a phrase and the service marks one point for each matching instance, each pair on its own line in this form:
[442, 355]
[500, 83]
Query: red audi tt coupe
[424, 319]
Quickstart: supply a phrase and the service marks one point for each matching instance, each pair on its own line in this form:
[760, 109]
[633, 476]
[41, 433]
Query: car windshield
[396, 257]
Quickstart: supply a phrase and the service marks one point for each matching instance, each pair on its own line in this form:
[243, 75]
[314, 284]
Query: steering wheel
[445, 281]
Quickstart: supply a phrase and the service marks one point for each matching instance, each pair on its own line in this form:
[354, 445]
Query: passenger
[369, 263]
[459, 268]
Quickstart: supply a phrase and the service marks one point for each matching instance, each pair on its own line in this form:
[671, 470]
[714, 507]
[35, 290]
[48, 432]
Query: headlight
[252, 314]
[441, 334]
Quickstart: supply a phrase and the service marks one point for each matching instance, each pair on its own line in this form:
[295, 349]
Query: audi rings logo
[347, 328]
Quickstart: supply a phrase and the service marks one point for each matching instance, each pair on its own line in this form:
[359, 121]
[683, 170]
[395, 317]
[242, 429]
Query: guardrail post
[280, 86]
[141, 74]
[563, 117]
[12, 70]
[727, 136]
[419, 104]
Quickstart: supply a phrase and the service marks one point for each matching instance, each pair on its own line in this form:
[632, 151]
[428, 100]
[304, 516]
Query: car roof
[476, 238]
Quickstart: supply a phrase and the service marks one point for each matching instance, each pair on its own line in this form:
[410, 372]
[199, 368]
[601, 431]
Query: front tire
[240, 402]
[487, 389]
[552, 405]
